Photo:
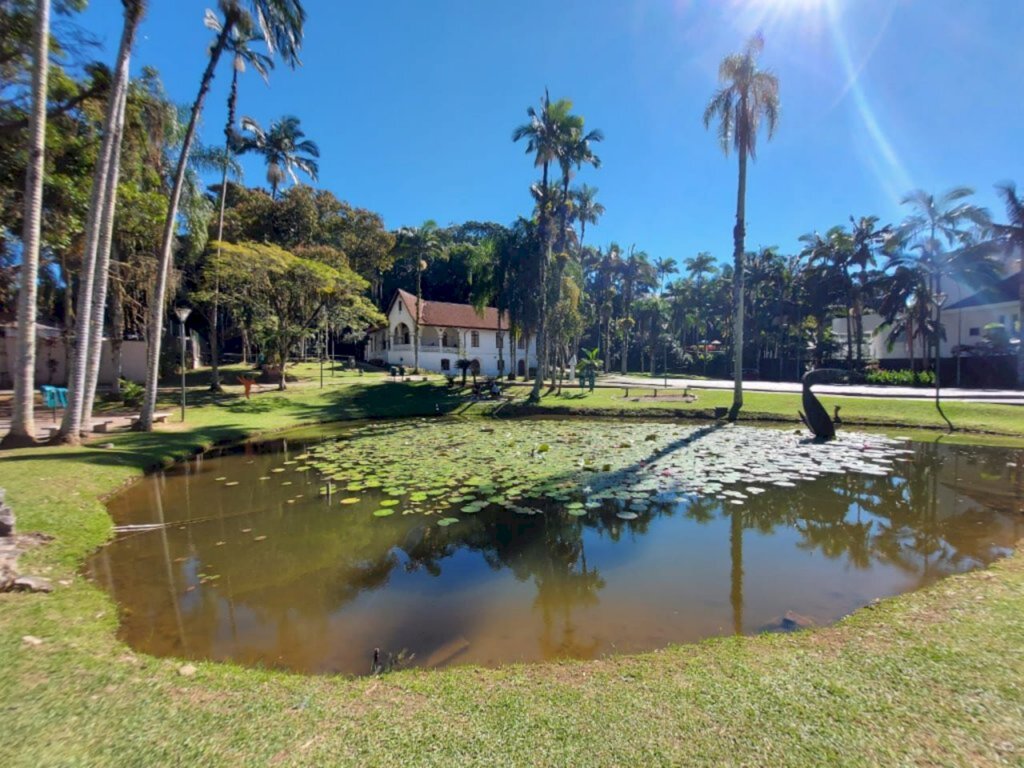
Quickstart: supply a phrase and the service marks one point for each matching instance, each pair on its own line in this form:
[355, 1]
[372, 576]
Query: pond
[447, 541]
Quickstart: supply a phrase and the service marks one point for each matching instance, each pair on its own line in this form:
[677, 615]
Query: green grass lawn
[930, 678]
[855, 411]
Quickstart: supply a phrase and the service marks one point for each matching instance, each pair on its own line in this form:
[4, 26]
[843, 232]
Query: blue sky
[413, 103]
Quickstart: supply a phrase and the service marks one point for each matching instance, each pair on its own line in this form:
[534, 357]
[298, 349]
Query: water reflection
[329, 583]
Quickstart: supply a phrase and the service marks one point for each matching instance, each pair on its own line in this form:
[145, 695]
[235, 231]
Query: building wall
[964, 327]
[51, 361]
[441, 348]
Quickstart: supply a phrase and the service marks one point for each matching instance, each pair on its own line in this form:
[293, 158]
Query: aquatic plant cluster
[453, 468]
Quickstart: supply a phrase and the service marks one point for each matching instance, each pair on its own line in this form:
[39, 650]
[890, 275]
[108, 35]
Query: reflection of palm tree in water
[736, 571]
[563, 582]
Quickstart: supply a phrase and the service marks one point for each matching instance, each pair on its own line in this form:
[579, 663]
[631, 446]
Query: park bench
[157, 418]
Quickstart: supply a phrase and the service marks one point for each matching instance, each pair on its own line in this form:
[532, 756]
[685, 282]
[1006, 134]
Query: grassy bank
[931, 678]
[768, 406]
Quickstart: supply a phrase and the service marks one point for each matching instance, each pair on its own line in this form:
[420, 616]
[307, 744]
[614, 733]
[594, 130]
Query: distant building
[448, 332]
[968, 322]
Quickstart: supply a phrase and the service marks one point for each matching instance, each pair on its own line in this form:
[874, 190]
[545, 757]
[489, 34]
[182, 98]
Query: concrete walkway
[1005, 396]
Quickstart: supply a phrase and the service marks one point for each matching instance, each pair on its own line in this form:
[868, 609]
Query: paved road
[1007, 396]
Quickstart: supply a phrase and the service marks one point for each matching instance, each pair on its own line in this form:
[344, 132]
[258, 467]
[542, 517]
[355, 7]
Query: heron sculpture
[814, 415]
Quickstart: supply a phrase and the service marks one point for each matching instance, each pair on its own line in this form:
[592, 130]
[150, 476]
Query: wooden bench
[157, 418]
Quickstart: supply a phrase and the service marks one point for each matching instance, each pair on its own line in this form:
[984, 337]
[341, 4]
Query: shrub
[131, 393]
[901, 378]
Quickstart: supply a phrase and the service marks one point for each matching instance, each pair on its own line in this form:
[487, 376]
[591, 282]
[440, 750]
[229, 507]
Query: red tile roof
[446, 315]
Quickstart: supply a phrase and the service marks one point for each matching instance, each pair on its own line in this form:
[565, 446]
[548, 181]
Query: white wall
[51, 361]
[441, 345]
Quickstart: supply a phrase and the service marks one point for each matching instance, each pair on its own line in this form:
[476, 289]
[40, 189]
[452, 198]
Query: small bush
[131, 393]
[901, 378]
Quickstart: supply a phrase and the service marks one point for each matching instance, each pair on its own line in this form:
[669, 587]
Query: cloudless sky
[413, 103]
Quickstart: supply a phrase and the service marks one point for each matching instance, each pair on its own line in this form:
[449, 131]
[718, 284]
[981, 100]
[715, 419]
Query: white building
[963, 319]
[52, 359]
[448, 332]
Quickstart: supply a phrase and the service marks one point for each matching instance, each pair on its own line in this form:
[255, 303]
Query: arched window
[401, 334]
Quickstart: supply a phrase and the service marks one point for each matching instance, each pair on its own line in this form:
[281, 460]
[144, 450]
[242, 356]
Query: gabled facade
[448, 332]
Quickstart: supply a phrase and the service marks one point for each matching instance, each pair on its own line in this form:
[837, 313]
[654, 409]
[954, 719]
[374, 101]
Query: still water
[251, 556]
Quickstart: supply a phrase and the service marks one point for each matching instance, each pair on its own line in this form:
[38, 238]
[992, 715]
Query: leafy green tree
[243, 55]
[586, 209]
[638, 277]
[748, 96]
[288, 293]
[942, 238]
[423, 245]
[546, 134]
[281, 23]
[697, 267]
[663, 267]
[869, 240]
[1010, 236]
[284, 148]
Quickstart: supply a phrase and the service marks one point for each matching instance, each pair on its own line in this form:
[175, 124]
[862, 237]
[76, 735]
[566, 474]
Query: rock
[32, 584]
[106, 446]
[6, 516]
[790, 621]
[32, 640]
[187, 670]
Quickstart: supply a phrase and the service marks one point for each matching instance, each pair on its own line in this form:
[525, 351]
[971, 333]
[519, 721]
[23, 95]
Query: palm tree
[545, 134]
[747, 96]
[92, 292]
[284, 149]
[1011, 236]
[834, 254]
[23, 427]
[423, 244]
[281, 23]
[698, 266]
[242, 55]
[574, 151]
[663, 267]
[937, 224]
[587, 209]
[637, 275]
[867, 239]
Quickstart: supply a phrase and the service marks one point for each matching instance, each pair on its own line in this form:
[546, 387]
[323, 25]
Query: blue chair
[54, 398]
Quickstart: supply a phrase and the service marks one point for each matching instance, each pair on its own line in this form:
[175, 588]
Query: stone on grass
[32, 584]
[187, 670]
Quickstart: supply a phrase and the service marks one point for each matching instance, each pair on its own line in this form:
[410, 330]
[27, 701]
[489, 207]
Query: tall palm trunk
[102, 279]
[938, 349]
[738, 235]
[1020, 316]
[23, 428]
[156, 308]
[96, 230]
[542, 309]
[116, 330]
[849, 336]
[736, 571]
[416, 316]
[214, 317]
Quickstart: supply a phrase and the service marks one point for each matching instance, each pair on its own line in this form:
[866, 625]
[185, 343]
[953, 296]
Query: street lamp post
[182, 313]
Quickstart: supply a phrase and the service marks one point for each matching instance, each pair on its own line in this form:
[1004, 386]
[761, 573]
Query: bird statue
[814, 416]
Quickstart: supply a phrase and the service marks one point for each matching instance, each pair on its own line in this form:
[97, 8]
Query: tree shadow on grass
[141, 450]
